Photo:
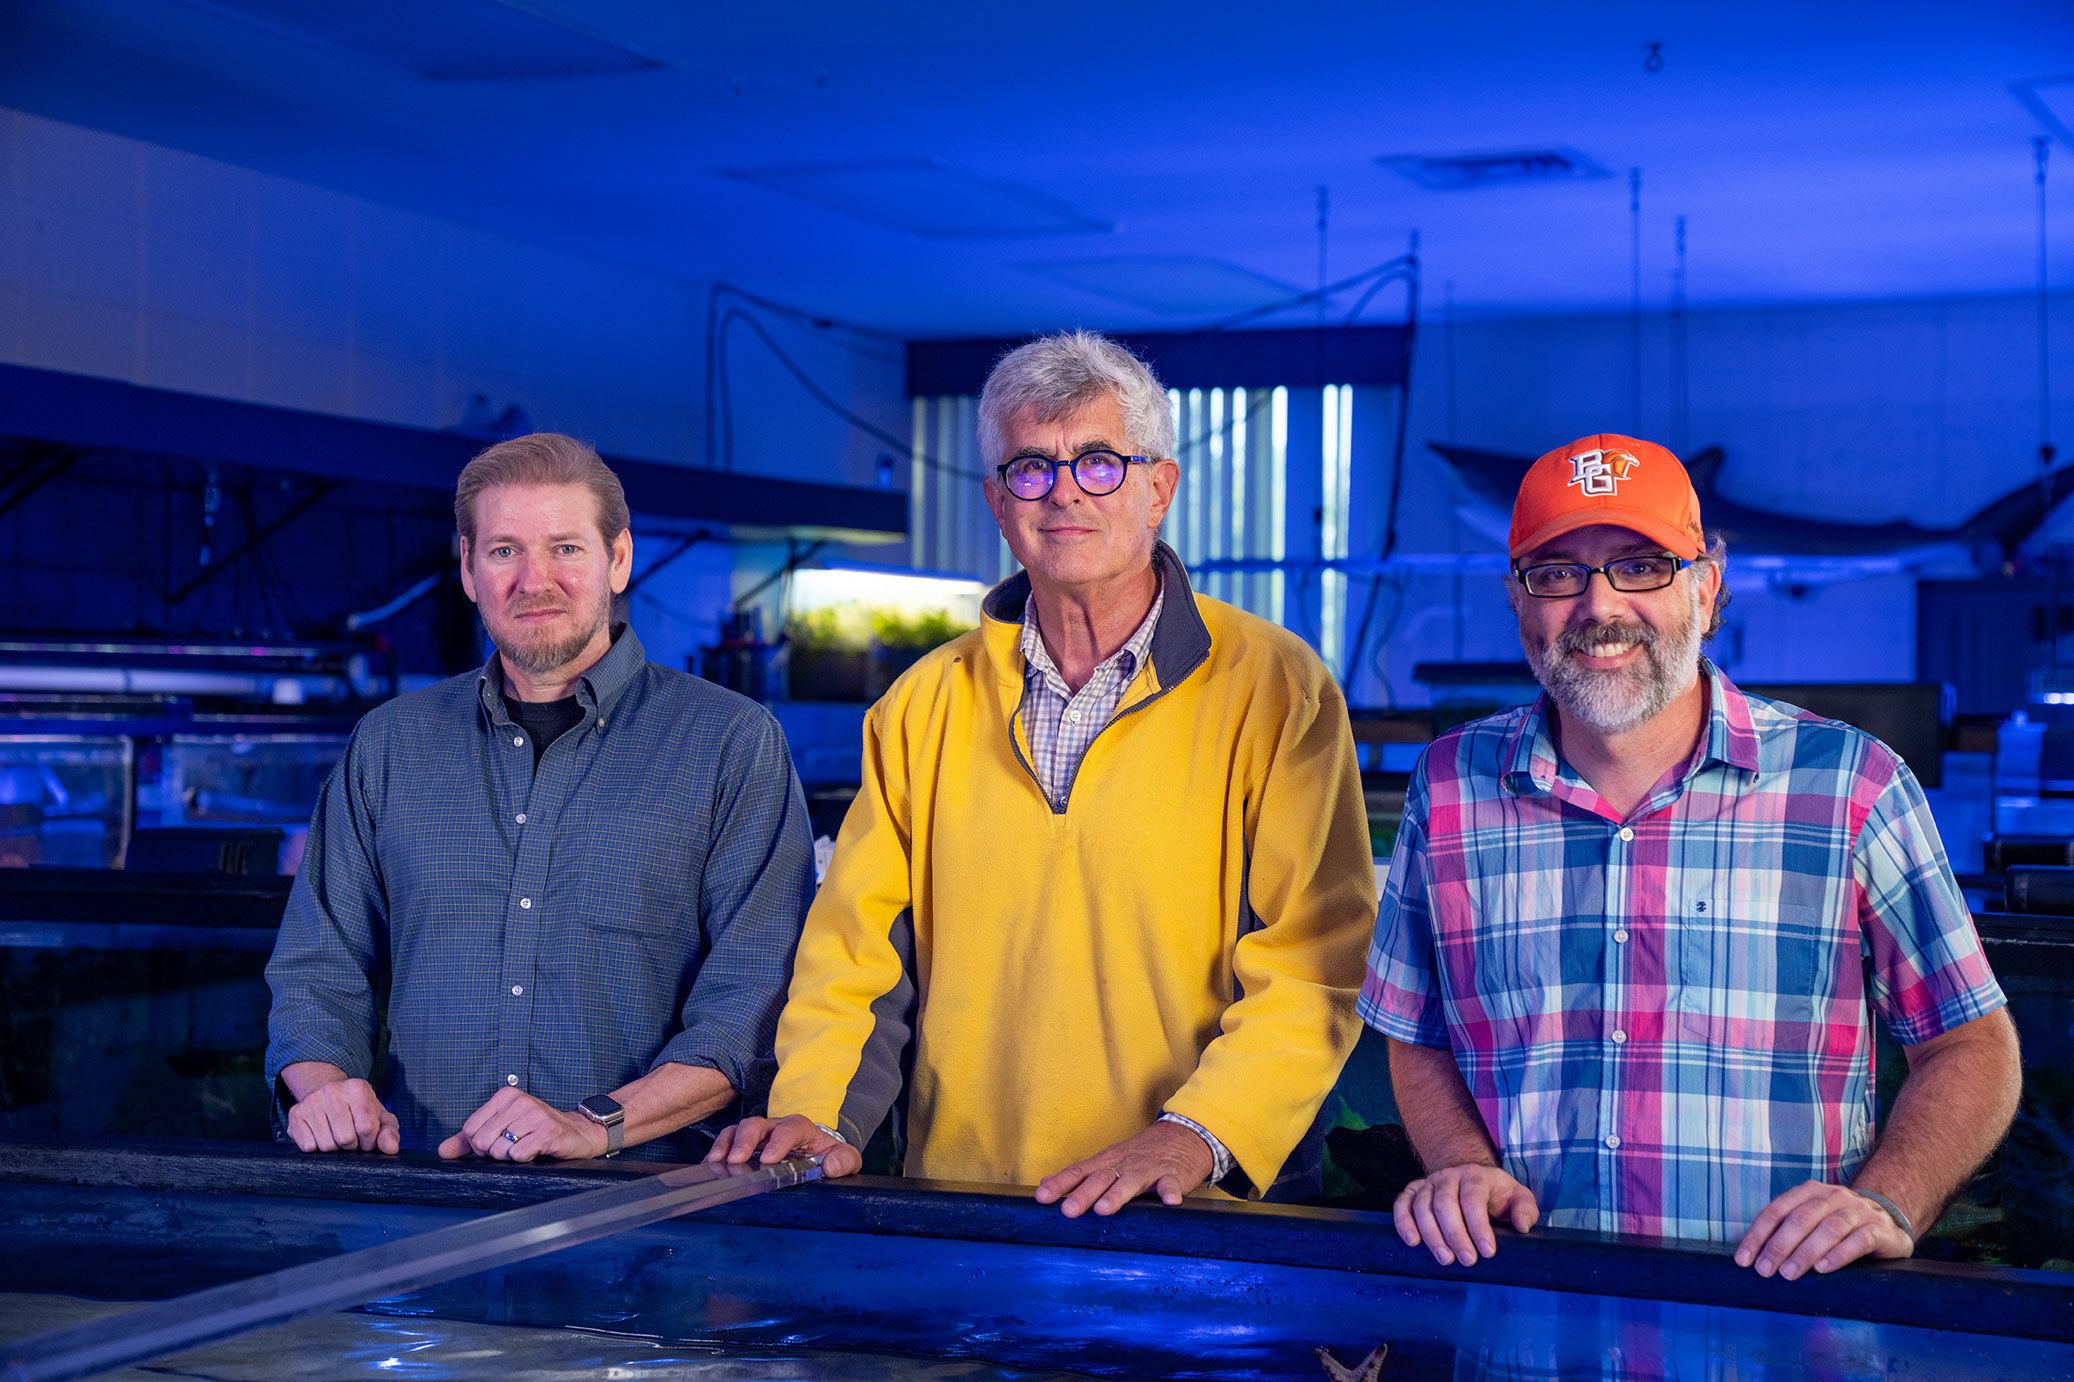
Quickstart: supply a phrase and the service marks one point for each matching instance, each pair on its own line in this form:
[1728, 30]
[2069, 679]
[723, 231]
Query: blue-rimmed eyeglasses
[1096, 472]
[1560, 580]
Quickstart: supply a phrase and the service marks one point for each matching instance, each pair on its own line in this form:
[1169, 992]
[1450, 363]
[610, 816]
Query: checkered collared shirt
[1062, 724]
[631, 900]
[1664, 1020]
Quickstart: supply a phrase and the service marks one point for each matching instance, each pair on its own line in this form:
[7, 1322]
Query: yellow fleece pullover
[1187, 934]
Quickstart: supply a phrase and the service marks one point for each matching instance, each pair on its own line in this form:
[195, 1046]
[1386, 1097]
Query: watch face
[602, 1107]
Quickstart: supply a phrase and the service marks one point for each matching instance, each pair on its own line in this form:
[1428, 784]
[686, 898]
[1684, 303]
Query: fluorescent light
[908, 592]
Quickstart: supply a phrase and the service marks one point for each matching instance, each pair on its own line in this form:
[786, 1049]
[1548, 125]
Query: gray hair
[1716, 555]
[1055, 376]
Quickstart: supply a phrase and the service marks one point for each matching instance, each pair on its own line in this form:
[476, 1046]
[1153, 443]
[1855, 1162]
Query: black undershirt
[544, 721]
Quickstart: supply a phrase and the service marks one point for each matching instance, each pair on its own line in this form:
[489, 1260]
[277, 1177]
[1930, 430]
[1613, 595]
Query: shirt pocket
[1754, 972]
[635, 874]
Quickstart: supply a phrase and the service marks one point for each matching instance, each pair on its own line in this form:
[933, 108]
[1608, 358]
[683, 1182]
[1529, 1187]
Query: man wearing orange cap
[1622, 958]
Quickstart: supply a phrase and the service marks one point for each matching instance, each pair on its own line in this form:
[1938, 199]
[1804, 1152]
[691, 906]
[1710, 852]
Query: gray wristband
[1893, 1210]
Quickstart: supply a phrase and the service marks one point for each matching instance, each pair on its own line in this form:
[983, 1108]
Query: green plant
[834, 628]
[892, 628]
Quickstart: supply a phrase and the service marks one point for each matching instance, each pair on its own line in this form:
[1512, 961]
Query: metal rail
[408, 1264]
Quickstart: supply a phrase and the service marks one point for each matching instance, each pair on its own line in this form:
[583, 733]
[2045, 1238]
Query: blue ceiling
[946, 170]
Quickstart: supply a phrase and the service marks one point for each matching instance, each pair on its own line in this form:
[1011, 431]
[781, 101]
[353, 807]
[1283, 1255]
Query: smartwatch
[605, 1111]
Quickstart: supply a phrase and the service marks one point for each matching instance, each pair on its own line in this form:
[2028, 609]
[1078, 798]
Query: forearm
[1440, 1117]
[305, 1077]
[669, 1097]
[1956, 1104]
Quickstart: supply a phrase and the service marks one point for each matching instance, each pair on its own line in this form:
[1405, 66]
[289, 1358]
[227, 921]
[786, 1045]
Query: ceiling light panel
[1509, 168]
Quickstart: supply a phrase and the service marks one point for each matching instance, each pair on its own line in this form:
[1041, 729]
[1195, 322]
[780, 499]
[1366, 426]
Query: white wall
[1921, 411]
[129, 261]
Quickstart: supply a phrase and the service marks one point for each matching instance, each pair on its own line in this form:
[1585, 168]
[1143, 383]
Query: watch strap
[614, 1122]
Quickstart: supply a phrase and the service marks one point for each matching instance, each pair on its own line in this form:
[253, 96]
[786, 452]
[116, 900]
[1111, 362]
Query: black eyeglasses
[1096, 472]
[1560, 580]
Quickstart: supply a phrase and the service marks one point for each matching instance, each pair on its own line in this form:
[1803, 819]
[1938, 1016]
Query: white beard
[1613, 702]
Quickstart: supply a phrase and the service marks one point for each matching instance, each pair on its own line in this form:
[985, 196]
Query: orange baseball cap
[1608, 478]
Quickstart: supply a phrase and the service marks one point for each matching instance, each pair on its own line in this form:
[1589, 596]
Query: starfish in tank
[1369, 1369]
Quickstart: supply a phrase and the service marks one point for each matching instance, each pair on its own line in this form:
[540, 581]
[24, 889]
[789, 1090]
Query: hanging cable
[1305, 298]
[1411, 331]
[1635, 297]
[2046, 451]
[2041, 148]
[815, 391]
[798, 316]
[1681, 379]
[1376, 583]
[1324, 224]
[1403, 275]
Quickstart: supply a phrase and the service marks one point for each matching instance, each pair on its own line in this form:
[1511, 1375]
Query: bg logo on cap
[1599, 473]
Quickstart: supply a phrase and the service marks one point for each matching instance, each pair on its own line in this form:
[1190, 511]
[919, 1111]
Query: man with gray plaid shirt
[580, 874]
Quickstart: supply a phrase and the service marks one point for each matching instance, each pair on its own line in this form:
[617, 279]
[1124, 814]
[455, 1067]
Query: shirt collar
[1728, 737]
[1127, 659]
[1180, 643]
[597, 690]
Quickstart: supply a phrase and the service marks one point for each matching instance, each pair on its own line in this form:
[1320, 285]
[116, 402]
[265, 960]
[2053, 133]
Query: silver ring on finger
[510, 1136]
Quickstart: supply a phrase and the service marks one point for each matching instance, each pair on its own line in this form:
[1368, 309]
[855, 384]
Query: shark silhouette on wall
[1990, 535]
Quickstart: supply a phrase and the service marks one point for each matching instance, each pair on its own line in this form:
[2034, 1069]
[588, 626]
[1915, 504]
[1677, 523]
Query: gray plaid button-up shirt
[1061, 722]
[633, 900]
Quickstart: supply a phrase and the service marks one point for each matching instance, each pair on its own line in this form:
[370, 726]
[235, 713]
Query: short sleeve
[1400, 993]
[1929, 973]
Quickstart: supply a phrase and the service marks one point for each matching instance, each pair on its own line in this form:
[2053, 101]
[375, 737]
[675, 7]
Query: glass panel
[65, 800]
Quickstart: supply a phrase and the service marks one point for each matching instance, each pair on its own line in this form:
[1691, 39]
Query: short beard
[1617, 701]
[543, 656]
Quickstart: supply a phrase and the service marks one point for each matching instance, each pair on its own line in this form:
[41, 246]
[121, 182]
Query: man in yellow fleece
[1104, 897]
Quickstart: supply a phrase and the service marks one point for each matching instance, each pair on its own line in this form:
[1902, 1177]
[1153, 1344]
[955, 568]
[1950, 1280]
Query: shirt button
[1620, 937]
[520, 818]
[1619, 1037]
[511, 1079]
[1627, 832]
[1073, 715]
[1613, 1142]
[517, 990]
[526, 904]
[518, 741]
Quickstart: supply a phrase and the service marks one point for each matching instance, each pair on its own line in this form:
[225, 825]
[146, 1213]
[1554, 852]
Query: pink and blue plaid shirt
[1664, 1020]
